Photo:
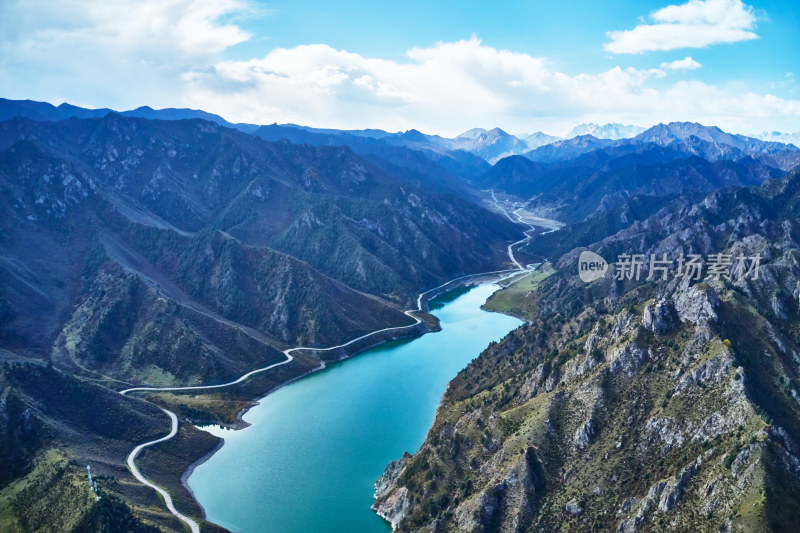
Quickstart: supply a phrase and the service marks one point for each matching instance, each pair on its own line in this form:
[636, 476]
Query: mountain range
[137, 251]
[490, 145]
[643, 404]
[776, 136]
[586, 176]
[170, 247]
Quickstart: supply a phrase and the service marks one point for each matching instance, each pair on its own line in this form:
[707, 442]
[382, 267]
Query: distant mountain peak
[606, 131]
[537, 139]
[491, 145]
[684, 131]
[413, 132]
[777, 136]
[471, 134]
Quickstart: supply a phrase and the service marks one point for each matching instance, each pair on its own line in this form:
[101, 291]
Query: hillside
[631, 405]
[582, 177]
[152, 252]
[232, 230]
[52, 425]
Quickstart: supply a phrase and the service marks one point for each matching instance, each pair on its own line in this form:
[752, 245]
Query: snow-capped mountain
[777, 136]
[535, 140]
[606, 131]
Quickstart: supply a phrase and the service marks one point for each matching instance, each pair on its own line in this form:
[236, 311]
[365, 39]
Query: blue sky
[440, 67]
[570, 33]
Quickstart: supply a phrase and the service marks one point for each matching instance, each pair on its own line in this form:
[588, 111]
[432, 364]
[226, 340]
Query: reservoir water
[310, 459]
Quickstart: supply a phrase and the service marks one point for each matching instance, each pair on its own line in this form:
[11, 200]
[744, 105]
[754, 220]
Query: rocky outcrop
[697, 304]
[674, 489]
[573, 507]
[386, 482]
[644, 505]
[664, 420]
[662, 496]
[627, 358]
[393, 507]
[584, 434]
[714, 370]
[478, 518]
[660, 317]
[504, 505]
[665, 429]
[391, 501]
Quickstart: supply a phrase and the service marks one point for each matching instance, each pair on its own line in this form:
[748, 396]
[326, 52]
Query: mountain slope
[490, 145]
[598, 182]
[193, 232]
[52, 425]
[422, 163]
[631, 406]
[151, 252]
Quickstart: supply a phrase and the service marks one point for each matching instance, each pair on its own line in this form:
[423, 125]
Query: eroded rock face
[385, 483]
[503, 504]
[645, 504]
[697, 304]
[660, 318]
[479, 517]
[391, 501]
[393, 508]
[628, 359]
[584, 434]
[674, 490]
[714, 370]
[781, 304]
[666, 430]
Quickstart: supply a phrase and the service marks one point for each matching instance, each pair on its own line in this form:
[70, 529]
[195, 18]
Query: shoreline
[240, 423]
[190, 470]
[422, 309]
[458, 282]
[481, 280]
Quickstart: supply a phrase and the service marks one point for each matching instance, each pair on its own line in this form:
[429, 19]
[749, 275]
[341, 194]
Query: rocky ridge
[641, 406]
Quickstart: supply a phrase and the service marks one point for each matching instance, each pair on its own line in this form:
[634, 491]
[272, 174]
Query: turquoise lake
[310, 459]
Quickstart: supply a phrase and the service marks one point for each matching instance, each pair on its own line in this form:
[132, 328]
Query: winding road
[191, 523]
[138, 475]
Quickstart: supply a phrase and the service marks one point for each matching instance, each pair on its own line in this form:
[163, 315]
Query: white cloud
[82, 49]
[687, 63]
[695, 24]
[169, 53]
[450, 87]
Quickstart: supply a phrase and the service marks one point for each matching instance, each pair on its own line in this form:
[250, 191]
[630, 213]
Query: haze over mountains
[490, 145]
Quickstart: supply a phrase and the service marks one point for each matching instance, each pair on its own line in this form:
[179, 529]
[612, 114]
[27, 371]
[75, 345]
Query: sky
[439, 67]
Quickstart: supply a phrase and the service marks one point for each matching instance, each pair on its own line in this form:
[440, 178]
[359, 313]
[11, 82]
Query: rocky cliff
[625, 405]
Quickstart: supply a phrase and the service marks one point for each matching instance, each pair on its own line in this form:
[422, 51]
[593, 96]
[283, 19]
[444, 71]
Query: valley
[368, 408]
[628, 404]
[376, 337]
[271, 266]
[164, 269]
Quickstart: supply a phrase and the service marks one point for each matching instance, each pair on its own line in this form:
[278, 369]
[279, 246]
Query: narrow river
[310, 458]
